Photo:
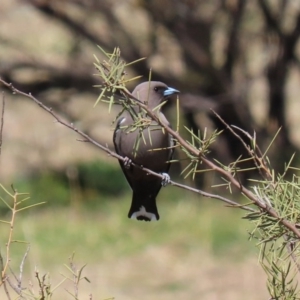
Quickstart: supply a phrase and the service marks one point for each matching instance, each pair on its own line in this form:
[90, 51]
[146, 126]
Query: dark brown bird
[149, 147]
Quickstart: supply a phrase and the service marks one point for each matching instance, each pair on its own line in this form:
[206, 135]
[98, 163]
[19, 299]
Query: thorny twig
[211, 165]
[258, 160]
[261, 164]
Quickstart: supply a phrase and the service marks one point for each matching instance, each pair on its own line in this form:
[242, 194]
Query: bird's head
[153, 93]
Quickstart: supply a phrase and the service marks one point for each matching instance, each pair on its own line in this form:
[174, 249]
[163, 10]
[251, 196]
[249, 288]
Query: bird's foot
[166, 179]
[127, 162]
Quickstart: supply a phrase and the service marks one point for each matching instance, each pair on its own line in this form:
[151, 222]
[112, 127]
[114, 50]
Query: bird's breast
[150, 147]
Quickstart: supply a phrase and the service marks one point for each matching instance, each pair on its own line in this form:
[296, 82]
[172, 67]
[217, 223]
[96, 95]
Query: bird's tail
[143, 209]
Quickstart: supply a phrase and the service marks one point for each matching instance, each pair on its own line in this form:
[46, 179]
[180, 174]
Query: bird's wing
[116, 136]
[172, 149]
[116, 139]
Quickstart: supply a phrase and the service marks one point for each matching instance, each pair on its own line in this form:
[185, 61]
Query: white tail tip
[143, 213]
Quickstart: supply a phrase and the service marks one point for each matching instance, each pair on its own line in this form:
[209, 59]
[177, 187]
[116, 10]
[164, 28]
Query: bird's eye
[156, 89]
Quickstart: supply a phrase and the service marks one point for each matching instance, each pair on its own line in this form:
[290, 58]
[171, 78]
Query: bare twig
[258, 160]
[6, 290]
[15, 287]
[41, 283]
[21, 269]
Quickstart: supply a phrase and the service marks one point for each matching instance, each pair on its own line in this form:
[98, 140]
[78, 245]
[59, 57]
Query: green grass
[194, 236]
[103, 231]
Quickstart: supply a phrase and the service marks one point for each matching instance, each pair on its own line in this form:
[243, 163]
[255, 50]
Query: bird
[151, 148]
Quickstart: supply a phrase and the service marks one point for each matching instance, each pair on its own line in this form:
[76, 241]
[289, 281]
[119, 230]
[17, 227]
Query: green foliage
[89, 181]
[102, 177]
[47, 230]
[47, 187]
[105, 231]
[279, 247]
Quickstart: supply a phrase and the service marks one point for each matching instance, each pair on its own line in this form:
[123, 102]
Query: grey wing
[171, 141]
[117, 140]
[117, 135]
[172, 149]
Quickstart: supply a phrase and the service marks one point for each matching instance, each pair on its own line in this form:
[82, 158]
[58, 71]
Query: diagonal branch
[211, 165]
[254, 198]
[115, 155]
[262, 205]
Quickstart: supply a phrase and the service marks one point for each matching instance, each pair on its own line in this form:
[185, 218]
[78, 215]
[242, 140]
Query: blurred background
[240, 58]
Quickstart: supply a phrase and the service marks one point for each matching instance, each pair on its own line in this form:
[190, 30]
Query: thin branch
[13, 286]
[21, 269]
[115, 155]
[194, 151]
[41, 284]
[6, 290]
[214, 196]
[259, 161]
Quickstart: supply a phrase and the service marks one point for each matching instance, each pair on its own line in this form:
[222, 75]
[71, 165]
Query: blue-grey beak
[170, 91]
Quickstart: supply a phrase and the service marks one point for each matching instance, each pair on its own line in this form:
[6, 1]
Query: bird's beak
[170, 91]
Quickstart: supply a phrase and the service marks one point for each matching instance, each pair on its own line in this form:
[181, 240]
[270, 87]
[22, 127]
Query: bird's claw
[166, 179]
[127, 162]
